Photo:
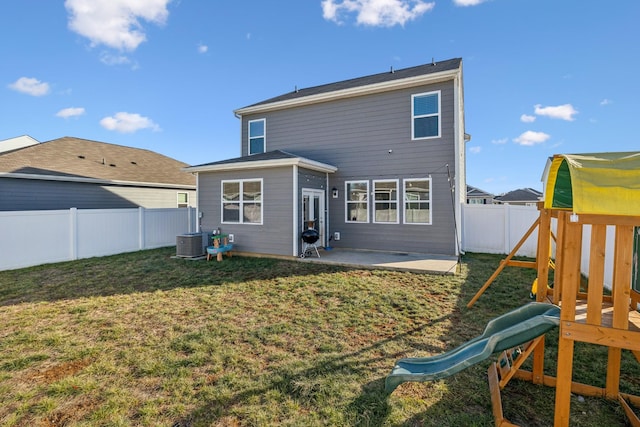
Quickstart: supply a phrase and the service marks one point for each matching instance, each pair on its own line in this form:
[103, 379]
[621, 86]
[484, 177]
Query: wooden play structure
[594, 198]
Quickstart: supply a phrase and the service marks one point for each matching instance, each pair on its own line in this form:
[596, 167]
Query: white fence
[37, 237]
[30, 238]
[497, 229]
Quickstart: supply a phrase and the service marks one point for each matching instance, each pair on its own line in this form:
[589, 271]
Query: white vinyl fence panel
[31, 238]
[497, 229]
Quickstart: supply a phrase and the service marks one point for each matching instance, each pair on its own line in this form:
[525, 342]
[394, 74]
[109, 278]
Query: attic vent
[112, 165]
[81, 157]
[133, 163]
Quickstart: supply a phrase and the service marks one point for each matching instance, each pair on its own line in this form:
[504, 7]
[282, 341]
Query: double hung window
[357, 201]
[417, 201]
[257, 136]
[425, 115]
[385, 203]
[242, 201]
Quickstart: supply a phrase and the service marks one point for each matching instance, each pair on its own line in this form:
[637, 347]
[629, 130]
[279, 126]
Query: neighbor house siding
[356, 135]
[34, 194]
[275, 234]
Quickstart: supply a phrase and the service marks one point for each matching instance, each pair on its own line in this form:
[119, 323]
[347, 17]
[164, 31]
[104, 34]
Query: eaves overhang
[264, 164]
[351, 92]
[59, 178]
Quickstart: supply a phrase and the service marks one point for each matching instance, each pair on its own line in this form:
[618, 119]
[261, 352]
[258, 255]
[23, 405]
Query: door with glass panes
[313, 212]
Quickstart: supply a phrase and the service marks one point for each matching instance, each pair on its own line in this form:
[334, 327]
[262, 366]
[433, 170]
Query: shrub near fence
[39, 237]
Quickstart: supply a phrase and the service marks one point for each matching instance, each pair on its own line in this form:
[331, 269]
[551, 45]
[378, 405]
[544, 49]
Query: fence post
[507, 225]
[73, 233]
[141, 227]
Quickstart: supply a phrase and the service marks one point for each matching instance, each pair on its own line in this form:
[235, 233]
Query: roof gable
[77, 158]
[476, 192]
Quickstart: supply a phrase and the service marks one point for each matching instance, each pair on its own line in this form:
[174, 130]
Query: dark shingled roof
[82, 158]
[521, 195]
[269, 155]
[431, 68]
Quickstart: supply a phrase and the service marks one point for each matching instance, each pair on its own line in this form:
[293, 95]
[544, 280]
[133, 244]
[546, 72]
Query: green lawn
[144, 339]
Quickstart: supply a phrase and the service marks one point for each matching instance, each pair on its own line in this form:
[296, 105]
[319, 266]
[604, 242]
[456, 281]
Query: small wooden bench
[220, 246]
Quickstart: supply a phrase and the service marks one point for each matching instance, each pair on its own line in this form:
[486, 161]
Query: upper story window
[385, 203]
[417, 201]
[242, 201]
[357, 201]
[425, 115]
[183, 200]
[257, 136]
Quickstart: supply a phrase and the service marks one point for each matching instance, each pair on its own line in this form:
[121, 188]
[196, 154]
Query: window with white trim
[242, 201]
[417, 201]
[357, 201]
[425, 115]
[385, 201]
[183, 200]
[257, 136]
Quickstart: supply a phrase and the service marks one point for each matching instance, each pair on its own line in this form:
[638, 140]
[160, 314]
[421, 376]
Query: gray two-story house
[374, 163]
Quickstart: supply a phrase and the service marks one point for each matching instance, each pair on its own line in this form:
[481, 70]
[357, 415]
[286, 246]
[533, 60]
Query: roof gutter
[262, 164]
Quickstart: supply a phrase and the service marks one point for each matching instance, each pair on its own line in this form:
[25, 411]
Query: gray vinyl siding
[33, 194]
[275, 234]
[356, 135]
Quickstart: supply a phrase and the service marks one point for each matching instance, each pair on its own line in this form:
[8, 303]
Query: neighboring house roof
[521, 195]
[263, 160]
[16, 143]
[478, 193]
[389, 80]
[82, 160]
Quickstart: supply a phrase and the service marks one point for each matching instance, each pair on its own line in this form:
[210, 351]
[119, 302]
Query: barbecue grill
[309, 242]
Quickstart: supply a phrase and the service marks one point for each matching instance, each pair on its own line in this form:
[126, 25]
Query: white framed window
[356, 201]
[242, 201]
[425, 115]
[183, 200]
[257, 136]
[385, 201]
[417, 201]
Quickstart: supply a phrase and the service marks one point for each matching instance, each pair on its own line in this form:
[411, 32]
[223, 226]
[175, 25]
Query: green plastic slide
[507, 331]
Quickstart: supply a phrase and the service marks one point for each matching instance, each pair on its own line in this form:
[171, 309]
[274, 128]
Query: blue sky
[541, 76]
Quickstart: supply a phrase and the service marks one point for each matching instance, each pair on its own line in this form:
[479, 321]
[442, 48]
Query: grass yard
[141, 339]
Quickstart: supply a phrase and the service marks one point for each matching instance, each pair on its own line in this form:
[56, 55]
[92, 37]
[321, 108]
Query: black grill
[310, 236]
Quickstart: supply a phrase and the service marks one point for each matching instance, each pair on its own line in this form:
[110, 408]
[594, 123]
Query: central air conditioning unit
[189, 245]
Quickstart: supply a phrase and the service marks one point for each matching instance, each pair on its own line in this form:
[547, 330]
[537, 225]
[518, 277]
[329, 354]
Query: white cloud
[526, 118]
[500, 141]
[376, 13]
[468, 2]
[65, 113]
[564, 112]
[115, 23]
[110, 59]
[30, 86]
[128, 123]
[531, 138]
[202, 48]
[475, 150]
[606, 102]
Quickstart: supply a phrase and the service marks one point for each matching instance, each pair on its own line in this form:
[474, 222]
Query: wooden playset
[590, 196]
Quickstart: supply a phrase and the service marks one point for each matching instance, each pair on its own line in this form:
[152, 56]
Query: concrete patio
[401, 261]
